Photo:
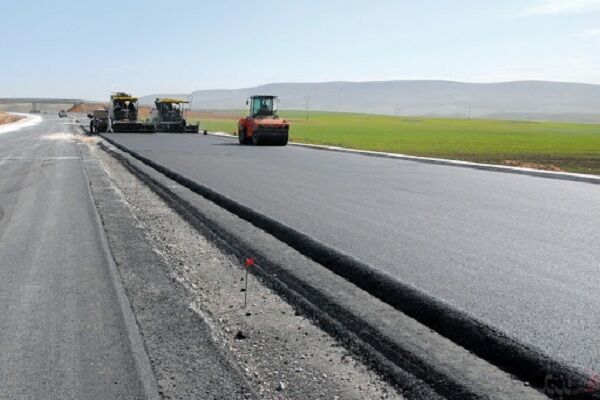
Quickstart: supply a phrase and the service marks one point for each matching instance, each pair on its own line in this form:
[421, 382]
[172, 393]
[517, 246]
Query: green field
[546, 145]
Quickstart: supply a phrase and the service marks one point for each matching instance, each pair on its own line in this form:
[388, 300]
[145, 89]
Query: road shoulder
[184, 359]
[139, 354]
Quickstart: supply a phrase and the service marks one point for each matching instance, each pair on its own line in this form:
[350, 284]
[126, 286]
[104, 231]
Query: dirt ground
[85, 108]
[532, 165]
[7, 119]
[215, 115]
[283, 354]
[144, 112]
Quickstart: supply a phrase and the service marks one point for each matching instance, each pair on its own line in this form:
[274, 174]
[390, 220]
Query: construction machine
[263, 125]
[123, 114]
[169, 116]
[98, 121]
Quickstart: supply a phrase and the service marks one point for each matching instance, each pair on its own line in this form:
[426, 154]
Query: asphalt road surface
[62, 334]
[517, 252]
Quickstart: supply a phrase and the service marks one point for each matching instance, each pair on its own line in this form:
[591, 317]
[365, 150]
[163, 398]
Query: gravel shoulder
[279, 352]
[186, 362]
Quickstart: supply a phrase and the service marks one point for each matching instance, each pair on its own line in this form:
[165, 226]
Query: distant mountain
[510, 100]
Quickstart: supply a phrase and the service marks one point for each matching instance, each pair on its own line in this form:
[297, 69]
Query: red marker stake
[249, 263]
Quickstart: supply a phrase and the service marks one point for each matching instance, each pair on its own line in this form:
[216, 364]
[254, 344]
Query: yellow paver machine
[123, 115]
[169, 116]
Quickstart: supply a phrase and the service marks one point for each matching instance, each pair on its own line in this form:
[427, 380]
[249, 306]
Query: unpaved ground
[85, 108]
[7, 118]
[283, 354]
[532, 165]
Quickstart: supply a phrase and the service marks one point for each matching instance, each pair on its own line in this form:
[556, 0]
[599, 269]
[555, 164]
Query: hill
[528, 100]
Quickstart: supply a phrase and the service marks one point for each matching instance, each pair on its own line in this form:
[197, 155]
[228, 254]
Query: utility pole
[307, 100]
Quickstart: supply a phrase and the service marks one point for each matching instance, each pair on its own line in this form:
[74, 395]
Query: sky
[86, 49]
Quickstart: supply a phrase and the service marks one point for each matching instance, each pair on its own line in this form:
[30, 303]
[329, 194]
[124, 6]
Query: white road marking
[59, 136]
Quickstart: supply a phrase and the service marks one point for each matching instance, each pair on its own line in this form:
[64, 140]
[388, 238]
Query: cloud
[554, 7]
[590, 33]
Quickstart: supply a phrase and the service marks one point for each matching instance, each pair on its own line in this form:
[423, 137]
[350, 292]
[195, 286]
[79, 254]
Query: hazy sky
[89, 48]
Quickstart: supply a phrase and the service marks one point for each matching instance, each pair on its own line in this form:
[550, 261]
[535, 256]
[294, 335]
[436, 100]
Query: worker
[264, 108]
[118, 110]
[132, 110]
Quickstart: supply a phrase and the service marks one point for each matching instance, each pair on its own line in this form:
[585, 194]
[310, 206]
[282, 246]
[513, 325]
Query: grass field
[544, 145]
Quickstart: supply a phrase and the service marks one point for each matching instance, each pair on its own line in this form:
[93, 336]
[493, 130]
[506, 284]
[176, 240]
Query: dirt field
[87, 107]
[144, 112]
[193, 115]
[7, 119]
[525, 164]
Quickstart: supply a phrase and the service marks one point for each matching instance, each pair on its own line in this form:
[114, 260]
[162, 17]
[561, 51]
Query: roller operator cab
[263, 125]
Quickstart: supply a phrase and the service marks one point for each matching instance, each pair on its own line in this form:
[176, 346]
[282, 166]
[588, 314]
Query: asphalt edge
[526, 363]
[136, 343]
[566, 176]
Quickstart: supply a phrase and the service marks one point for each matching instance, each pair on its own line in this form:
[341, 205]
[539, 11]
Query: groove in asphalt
[517, 252]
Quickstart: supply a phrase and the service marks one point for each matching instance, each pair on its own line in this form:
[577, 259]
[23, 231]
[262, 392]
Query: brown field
[144, 112]
[533, 165]
[7, 119]
[194, 115]
[87, 107]
[225, 115]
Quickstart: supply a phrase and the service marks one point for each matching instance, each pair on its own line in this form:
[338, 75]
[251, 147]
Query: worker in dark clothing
[118, 110]
[132, 110]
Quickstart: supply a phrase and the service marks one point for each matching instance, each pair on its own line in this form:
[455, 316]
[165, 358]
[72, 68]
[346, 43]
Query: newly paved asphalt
[517, 252]
[62, 334]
